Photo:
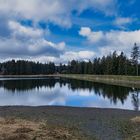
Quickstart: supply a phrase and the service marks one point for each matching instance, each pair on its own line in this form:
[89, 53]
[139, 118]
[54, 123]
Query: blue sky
[60, 30]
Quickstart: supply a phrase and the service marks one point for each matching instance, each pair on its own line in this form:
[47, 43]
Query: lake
[66, 92]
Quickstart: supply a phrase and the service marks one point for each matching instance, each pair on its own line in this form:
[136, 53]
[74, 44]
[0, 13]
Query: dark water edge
[120, 80]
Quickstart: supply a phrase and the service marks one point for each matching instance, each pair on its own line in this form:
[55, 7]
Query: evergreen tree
[135, 57]
[122, 65]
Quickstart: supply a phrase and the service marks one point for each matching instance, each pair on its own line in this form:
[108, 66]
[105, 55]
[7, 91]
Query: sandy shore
[75, 123]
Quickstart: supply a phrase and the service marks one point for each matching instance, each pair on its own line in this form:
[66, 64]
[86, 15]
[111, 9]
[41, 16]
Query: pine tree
[135, 57]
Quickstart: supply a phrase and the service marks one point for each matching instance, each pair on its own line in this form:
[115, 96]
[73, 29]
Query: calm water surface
[66, 92]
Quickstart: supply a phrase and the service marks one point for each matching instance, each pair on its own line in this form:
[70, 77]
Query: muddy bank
[82, 123]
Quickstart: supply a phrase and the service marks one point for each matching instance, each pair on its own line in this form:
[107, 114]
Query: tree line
[22, 67]
[112, 64]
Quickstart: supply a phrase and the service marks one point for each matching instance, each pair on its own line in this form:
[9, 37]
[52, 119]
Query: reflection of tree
[27, 84]
[136, 100]
[114, 93]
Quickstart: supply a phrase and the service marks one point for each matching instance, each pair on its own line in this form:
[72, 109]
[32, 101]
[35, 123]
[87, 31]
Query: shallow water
[66, 92]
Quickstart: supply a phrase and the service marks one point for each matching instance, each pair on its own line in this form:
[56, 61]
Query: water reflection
[67, 92]
[136, 99]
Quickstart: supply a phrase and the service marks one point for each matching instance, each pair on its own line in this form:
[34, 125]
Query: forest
[112, 64]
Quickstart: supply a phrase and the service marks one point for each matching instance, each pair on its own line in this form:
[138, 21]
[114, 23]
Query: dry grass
[136, 129]
[18, 129]
[136, 119]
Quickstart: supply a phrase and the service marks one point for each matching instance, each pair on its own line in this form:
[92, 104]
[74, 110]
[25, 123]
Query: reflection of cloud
[80, 92]
[60, 95]
[101, 102]
[43, 96]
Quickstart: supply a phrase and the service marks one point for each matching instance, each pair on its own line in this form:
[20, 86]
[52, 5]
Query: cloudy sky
[62, 30]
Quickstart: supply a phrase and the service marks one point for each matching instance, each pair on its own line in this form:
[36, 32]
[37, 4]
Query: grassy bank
[129, 81]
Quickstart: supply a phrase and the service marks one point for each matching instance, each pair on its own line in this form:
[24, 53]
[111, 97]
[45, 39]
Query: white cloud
[19, 41]
[67, 56]
[108, 7]
[121, 21]
[111, 40]
[56, 11]
[19, 30]
[85, 31]
[81, 55]
[28, 41]
[86, 54]
[91, 36]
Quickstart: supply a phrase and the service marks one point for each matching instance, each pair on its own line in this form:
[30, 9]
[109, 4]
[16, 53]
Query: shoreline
[67, 107]
[119, 80]
[86, 123]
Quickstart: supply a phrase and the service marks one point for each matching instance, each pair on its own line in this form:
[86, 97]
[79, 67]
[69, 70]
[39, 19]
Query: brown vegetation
[18, 129]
